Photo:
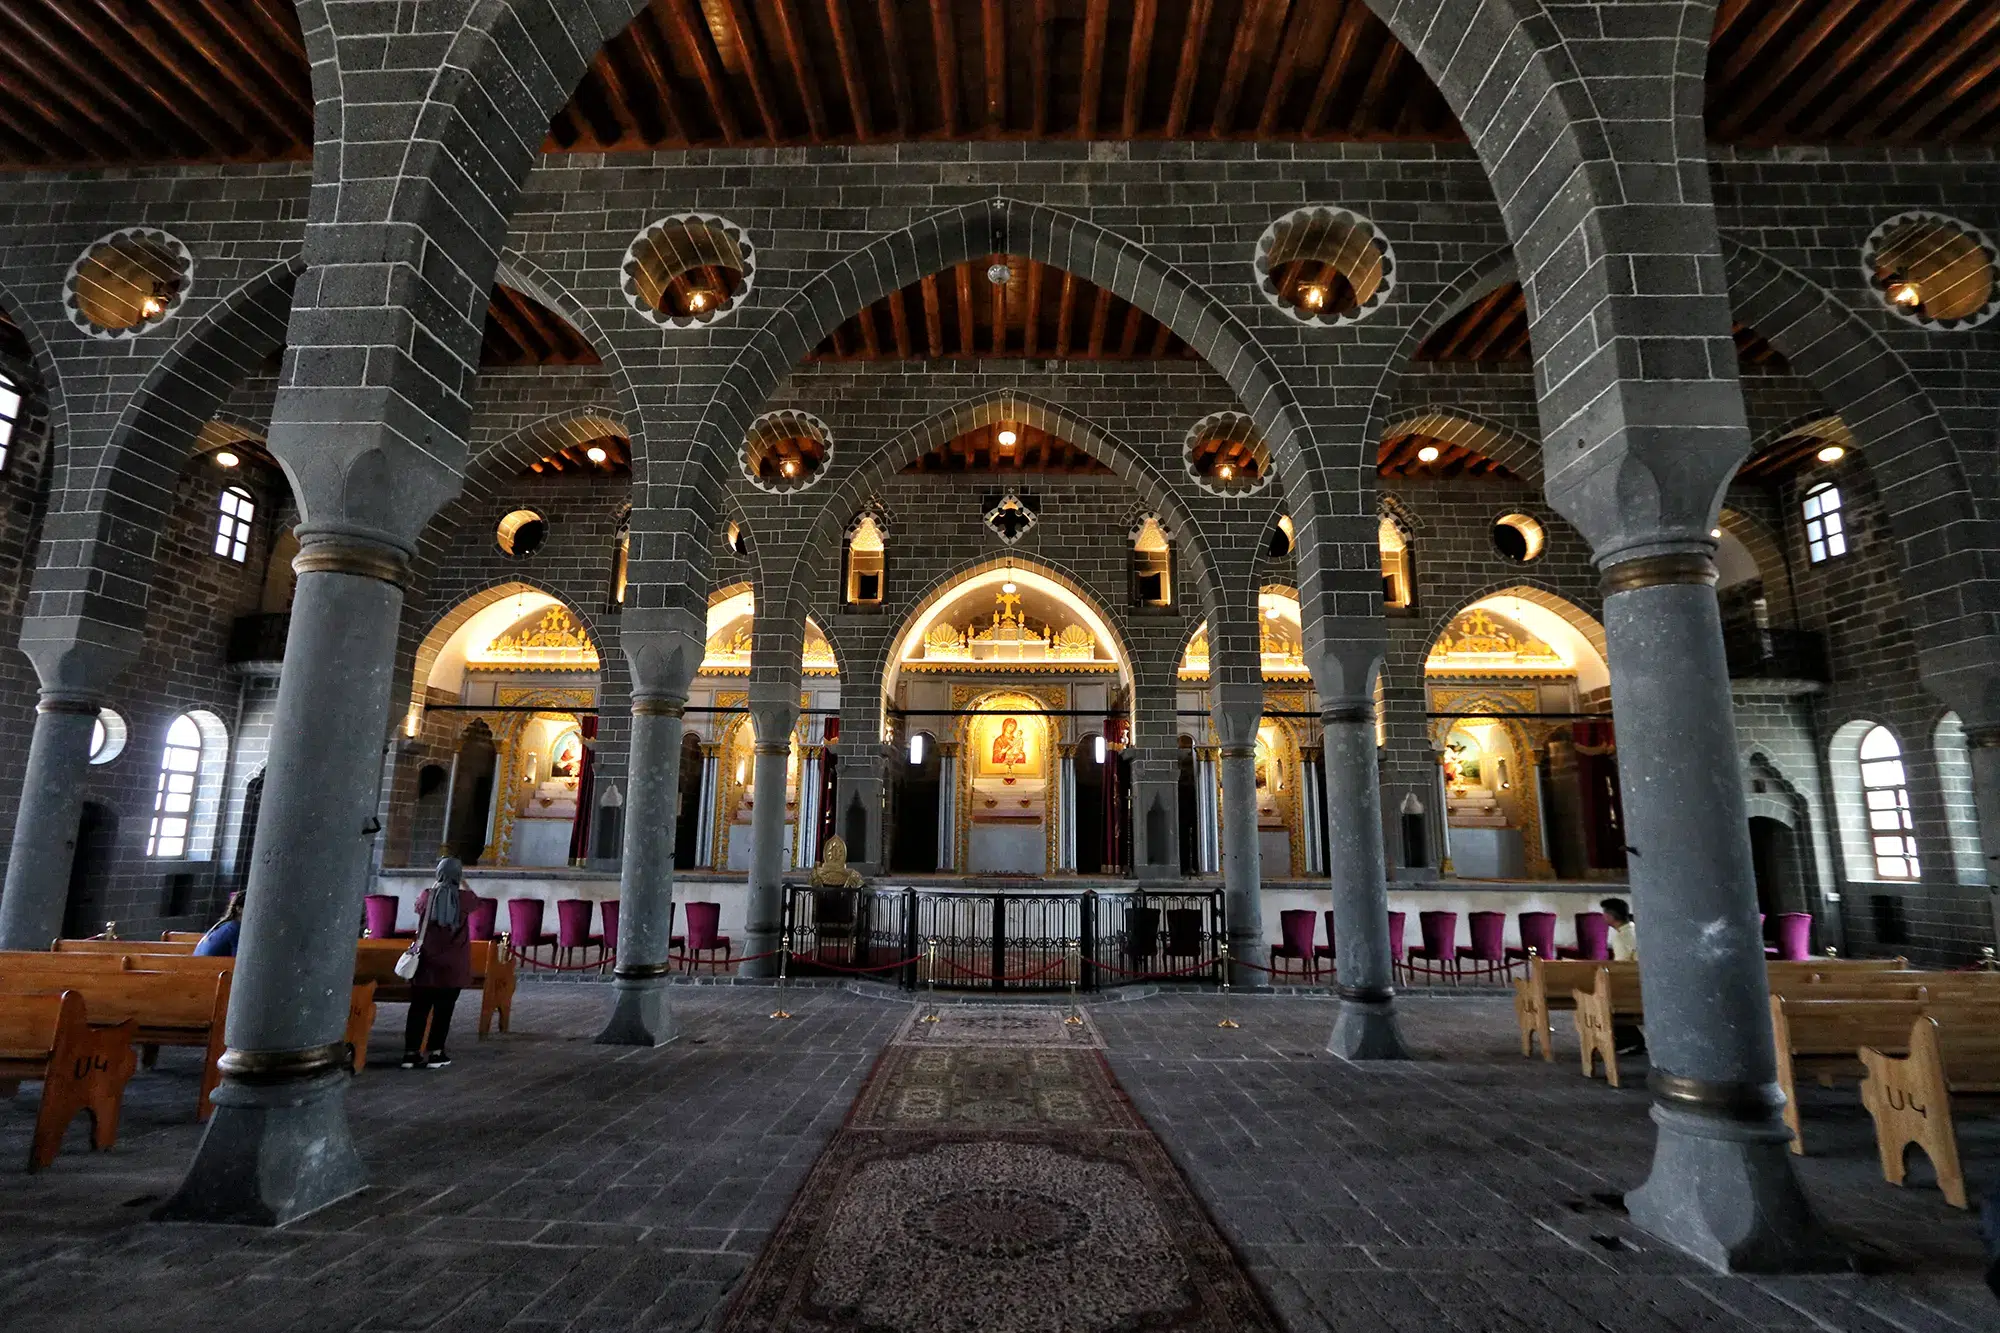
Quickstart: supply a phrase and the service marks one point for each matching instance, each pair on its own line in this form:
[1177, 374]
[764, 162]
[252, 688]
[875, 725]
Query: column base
[640, 1014]
[1367, 1030]
[1723, 1191]
[272, 1153]
[756, 943]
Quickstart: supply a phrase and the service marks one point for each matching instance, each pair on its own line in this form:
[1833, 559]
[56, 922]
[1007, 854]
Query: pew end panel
[48, 1037]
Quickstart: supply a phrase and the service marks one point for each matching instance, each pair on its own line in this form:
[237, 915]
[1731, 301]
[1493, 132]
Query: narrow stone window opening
[866, 559]
[233, 523]
[1826, 533]
[1152, 565]
[1398, 581]
[10, 412]
[190, 780]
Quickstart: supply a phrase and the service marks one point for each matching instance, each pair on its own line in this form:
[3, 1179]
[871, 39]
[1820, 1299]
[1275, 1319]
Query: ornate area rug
[993, 1176]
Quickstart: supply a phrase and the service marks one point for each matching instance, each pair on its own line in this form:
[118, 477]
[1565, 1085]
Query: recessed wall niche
[1933, 270]
[1324, 266]
[1226, 455]
[688, 270]
[786, 451]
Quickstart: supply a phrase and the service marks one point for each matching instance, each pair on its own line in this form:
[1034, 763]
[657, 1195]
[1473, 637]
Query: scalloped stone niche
[686, 271]
[1324, 266]
[128, 282]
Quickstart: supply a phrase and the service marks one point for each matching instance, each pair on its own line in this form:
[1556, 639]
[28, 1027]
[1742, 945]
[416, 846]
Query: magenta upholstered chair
[1538, 932]
[379, 910]
[524, 924]
[703, 918]
[572, 926]
[1593, 938]
[608, 910]
[1296, 926]
[1795, 935]
[1325, 950]
[1489, 942]
[1440, 946]
[484, 919]
[1397, 962]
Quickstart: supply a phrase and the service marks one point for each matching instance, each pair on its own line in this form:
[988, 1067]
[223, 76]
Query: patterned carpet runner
[993, 1176]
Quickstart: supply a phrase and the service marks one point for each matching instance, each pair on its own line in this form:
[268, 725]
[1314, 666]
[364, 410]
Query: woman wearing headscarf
[444, 965]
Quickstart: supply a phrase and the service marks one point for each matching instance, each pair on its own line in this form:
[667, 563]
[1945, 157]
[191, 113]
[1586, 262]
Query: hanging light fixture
[1428, 454]
[1833, 453]
[698, 300]
[1225, 472]
[596, 453]
[1903, 294]
[1313, 297]
[224, 458]
[1007, 437]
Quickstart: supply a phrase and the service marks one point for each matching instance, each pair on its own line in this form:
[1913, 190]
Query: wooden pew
[81, 1067]
[53, 969]
[182, 936]
[125, 946]
[184, 1007]
[1951, 1051]
[1823, 1039]
[1614, 994]
[493, 972]
[1548, 989]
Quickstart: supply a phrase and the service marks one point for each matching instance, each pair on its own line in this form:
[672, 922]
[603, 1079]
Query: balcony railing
[259, 638]
[1773, 654]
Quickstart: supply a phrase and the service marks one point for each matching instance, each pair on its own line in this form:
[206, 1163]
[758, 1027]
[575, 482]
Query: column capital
[1235, 709]
[664, 647]
[774, 710]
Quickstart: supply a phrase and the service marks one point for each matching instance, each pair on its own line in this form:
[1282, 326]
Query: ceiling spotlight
[1715, 533]
[1271, 611]
[1225, 472]
[1904, 294]
[1007, 438]
[790, 467]
[1833, 453]
[1312, 298]
[697, 300]
[595, 453]
[999, 274]
[151, 307]
[1009, 587]
[1428, 454]
[223, 458]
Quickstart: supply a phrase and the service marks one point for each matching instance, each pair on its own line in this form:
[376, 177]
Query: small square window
[232, 524]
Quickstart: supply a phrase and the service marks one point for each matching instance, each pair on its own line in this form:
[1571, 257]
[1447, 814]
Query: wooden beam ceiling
[1039, 312]
[1398, 457]
[1493, 330]
[574, 459]
[521, 331]
[1033, 450]
[129, 82]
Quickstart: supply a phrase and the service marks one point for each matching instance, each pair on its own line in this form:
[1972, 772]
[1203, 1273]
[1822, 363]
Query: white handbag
[406, 963]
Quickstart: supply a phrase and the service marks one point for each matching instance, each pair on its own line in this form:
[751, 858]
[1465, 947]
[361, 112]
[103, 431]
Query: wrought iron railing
[978, 939]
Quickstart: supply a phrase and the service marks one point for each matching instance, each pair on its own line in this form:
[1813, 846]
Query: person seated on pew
[220, 941]
[1623, 936]
[444, 965]
[1624, 933]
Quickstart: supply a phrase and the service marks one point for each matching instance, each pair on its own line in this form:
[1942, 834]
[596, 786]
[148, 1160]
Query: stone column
[1236, 710]
[664, 648]
[947, 810]
[1156, 795]
[704, 819]
[1309, 796]
[1722, 1185]
[857, 814]
[774, 711]
[1366, 1027]
[45, 825]
[1982, 748]
[1207, 816]
[278, 1145]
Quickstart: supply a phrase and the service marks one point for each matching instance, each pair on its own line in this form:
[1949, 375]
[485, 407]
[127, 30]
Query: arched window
[188, 795]
[867, 556]
[10, 412]
[1398, 584]
[1152, 564]
[1891, 831]
[1961, 814]
[1826, 534]
[232, 524]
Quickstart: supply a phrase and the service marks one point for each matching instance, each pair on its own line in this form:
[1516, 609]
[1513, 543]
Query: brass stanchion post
[1227, 1021]
[1075, 1016]
[784, 958]
[930, 949]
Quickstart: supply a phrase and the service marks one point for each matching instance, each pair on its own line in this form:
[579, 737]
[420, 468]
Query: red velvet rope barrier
[536, 963]
[857, 971]
[1177, 972]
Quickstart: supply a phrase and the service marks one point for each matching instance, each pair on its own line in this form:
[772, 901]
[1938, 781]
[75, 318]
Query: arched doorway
[90, 871]
[470, 819]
